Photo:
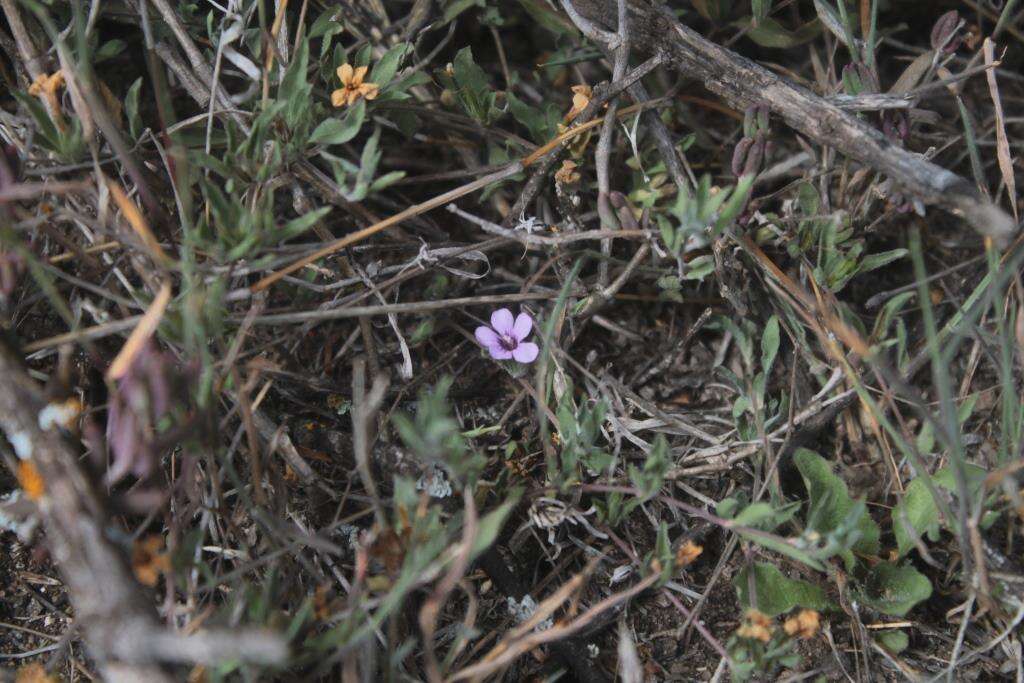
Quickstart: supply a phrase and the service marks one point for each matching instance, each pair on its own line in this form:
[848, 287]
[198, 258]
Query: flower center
[508, 343]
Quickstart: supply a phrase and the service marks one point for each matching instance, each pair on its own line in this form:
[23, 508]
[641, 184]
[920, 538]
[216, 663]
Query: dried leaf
[141, 334]
[1002, 144]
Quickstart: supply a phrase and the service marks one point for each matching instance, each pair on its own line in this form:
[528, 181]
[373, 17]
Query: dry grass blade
[519, 641]
[141, 334]
[1002, 143]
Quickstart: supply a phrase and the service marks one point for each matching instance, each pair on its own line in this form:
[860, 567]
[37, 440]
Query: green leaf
[131, 107]
[830, 503]
[761, 9]
[833, 21]
[737, 201]
[894, 590]
[808, 199]
[109, 49]
[894, 641]
[386, 180]
[326, 27]
[325, 24]
[46, 128]
[387, 67]
[649, 479]
[726, 508]
[454, 8]
[542, 123]
[398, 88]
[491, 523]
[875, 261]
[699, 268]
[663, 553]
[474, 90]
[334, 131]
[764, 516]
[293, 86]
[889, 312]
[433, 435]
[299, 225]
[547, 18]
[918, 509]
[775, 592]
[770, 344]
[770, 33]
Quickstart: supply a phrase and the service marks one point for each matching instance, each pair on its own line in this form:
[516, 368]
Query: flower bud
[749, 154]
[739, 156]
[944, 36]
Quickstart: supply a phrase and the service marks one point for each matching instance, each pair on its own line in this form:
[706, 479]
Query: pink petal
[486, 336]
[501, 321]
[499, 352]
[526, 352]
[524, 323]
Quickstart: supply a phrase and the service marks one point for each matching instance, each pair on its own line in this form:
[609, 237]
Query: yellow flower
[148, 559]
[31, 480]
[567, 174]
[687, 553]
[805, 624]
[352, 86]
[46, 87]
[580, 99]
[758, 626]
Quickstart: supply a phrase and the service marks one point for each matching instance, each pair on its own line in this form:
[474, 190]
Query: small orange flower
[46, 87]
[758, 626]
[148, 560]
[31, 480]
[352, 86]
[581, 95]
[687, 553]
[567, 174]
[805, 624]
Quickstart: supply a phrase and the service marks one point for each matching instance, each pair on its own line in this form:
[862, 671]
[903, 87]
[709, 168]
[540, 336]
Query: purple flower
[142, 398]
[504, 338]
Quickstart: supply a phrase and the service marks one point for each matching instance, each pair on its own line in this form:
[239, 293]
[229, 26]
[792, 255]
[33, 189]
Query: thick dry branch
[743, 83]
[111, 607]
[115, 613]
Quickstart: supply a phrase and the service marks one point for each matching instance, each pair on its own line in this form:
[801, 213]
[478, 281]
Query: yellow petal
[360, 74]
[345, 73]
[55, 81]
[370, 91]
[338, 98]
[38, 85]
